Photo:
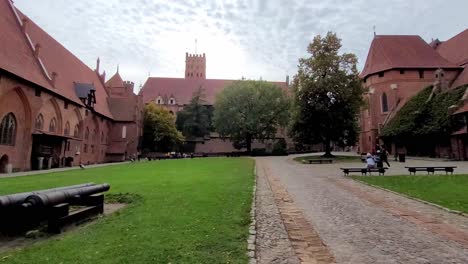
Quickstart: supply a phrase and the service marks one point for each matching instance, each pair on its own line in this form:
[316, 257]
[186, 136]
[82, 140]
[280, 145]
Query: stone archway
[3, 163]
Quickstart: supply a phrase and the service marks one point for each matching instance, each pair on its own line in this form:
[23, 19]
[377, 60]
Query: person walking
[384, 156]
[378, 159]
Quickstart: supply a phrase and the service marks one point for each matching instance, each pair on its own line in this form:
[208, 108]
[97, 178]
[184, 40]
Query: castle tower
[195, 66]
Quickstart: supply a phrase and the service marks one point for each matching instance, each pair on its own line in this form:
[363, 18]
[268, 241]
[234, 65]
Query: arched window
[76, 131]
[172, 101]
[8, 130]
[102, 136]
[66, 131]
[95, 135]
[39, 124]
[86, 135]
[53, 125]
[384, 103]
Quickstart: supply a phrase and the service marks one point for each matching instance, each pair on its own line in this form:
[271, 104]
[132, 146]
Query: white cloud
[250, 38]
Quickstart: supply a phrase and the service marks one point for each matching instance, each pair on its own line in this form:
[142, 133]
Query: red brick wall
[407, 85]
[20, 99]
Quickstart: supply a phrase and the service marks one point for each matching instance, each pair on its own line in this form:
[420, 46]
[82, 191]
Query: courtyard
[359, 223]
[305, 213]
[197, 213]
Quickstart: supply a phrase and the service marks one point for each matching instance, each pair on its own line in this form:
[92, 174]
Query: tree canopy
[195, 119]
[327, 95]
[159, 132]
[248, 110]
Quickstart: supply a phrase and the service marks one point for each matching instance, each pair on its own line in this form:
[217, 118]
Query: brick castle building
[175, 93]
[396, 69]
[54, 110]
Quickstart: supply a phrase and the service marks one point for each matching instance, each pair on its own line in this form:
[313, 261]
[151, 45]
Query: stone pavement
[357, 223]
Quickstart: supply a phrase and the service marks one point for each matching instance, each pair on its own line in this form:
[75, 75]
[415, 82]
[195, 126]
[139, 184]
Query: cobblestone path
[355, 222]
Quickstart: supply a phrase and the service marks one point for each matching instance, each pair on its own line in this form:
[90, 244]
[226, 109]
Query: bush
[259, 152]
[279, 148]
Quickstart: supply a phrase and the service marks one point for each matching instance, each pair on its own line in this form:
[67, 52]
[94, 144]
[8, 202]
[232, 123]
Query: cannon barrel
[54, 198]
[17, 198]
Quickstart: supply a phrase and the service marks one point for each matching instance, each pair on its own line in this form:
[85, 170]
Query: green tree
[248, 110]
[159, 132]
[195, 119]
[327, 95]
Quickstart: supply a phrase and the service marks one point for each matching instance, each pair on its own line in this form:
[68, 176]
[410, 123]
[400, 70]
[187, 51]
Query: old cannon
[18, 198]
[24, 211]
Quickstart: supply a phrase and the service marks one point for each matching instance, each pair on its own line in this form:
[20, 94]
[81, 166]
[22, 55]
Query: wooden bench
[317, 161]
[364, 171]
[431, 169]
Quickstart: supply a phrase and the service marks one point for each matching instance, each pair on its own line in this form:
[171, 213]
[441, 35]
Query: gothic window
[8, 130]
[94, 136]
[76, 131]
[66, 131]
[124, 132]
[384, 103]
[86, 135]
[53, 125]
[172, 101]
[39, 124]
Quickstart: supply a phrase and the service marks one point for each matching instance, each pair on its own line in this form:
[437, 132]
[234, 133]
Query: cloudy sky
[250, 38]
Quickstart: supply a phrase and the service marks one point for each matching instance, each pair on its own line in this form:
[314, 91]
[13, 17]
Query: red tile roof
[16, 55]
[115, 81]
[455, 49]
[461, 79]
[182, 89]
[18, 58]
[393, 52]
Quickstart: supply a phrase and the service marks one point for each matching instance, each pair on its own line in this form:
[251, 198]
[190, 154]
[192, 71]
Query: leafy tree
[195, 119]
[248, 110]
[159, 132]
[328, 95]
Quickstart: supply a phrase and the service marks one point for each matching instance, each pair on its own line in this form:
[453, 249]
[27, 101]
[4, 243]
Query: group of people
[376, 159]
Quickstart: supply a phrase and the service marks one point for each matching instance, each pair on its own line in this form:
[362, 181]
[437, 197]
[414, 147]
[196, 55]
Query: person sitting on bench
[370, 161]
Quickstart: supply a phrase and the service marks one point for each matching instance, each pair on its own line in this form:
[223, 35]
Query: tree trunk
[327, 149]
[248, 143]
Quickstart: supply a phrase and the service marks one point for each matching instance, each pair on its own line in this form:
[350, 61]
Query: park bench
[364, 171]
[317, 161]
[431, 169]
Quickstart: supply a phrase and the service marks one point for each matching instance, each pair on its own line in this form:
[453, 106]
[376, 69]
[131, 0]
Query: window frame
[8, 129]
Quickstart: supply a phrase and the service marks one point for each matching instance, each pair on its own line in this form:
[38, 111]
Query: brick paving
[361, 224]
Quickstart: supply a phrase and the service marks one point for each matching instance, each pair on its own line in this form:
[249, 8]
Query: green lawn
[449, 191]
[337, 158]
[190, 211]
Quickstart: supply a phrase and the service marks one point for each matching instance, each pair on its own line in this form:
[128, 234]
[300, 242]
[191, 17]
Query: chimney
[54, 78]
[103, 76]
[97, 65]
[37, 48]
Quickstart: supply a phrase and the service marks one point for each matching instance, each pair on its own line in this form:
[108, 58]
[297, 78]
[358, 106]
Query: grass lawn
[337, 158]
[450, 191]
[190, 211]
